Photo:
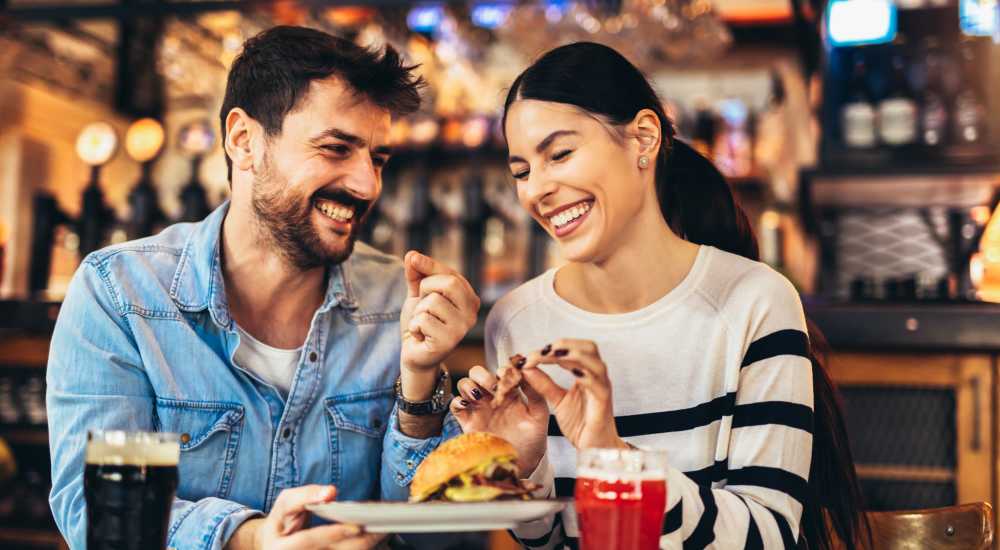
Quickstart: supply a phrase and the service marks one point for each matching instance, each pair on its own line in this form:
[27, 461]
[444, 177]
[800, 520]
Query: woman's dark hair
[699, 206]
[273, 72]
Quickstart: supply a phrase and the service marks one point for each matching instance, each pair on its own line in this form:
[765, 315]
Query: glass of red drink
[621, 496]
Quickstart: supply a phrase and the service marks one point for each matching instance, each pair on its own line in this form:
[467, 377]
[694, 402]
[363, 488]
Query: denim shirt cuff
[404, 453]
[208, 524]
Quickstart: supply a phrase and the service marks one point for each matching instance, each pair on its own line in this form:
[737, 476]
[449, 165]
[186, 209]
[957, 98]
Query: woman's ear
[647, 130]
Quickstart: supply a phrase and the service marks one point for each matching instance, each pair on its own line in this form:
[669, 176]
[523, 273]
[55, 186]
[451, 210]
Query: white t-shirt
[273, 365]
[715, 372]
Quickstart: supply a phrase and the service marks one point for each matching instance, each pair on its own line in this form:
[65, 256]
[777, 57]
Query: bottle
[897, 112]
[934, 115]
[858, 114]
[970, 111]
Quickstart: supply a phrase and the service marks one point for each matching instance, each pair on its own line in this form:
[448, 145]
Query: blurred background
[861, 136]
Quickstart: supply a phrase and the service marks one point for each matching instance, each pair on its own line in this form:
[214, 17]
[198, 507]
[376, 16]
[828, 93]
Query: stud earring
[643, 162]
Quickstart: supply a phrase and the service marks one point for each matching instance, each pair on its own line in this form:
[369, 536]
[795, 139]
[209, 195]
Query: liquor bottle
[934, 115]
[858, 114]
[897, 112]
[970, 111]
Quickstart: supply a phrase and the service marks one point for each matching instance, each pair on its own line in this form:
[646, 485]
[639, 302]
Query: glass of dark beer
[129, 482]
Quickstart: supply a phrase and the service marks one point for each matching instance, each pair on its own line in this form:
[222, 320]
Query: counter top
[971, 326]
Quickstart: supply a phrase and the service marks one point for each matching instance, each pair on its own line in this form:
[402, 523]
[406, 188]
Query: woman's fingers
[472, 393]
[322, 537]
[543, 385]
[510, 379]
[574, 356]
[484, 378]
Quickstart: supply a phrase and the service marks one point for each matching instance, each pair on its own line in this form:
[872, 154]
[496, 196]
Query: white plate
[436, 517]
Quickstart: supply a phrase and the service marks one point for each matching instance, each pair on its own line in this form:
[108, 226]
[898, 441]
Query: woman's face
[573, 176]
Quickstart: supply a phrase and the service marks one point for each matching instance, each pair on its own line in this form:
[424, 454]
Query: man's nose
[364, 179]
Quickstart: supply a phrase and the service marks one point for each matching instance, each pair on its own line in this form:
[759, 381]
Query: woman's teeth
[335, 211]
[568, 216]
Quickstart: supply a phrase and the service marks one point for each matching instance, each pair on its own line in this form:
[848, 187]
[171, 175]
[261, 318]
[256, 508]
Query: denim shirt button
[377, 423]
[399, 477]
[286, 433]
[409, 464]
[185, 438]
[313, 357]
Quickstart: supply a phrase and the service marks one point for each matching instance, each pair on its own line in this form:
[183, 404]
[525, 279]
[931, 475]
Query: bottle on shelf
[858, 114]
[934, 115]
[897, 112]
[970, 109]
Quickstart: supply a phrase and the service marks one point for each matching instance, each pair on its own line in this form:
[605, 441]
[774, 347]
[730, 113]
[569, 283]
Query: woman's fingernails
[464, 403]
[518, 361]
[578, 373]
[561, 352]
[547, 349]
[476, 394]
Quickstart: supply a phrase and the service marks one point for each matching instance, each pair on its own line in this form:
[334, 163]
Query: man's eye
[380, 162]
[341, 150]
[561, 155]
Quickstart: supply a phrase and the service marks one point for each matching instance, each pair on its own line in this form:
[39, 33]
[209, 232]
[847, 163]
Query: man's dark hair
[273, 73]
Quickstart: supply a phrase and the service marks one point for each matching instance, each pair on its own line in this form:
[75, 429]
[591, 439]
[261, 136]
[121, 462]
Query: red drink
[620, 499]
[620, 515]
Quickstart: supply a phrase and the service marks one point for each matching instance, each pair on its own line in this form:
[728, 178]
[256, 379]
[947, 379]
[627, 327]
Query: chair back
[964, 527]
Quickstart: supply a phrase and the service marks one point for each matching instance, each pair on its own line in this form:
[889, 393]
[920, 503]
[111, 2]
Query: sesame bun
[457, 456]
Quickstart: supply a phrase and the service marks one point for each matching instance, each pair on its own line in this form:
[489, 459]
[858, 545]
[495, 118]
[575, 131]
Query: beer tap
[196, 139]
[97, 143]
[143, 143]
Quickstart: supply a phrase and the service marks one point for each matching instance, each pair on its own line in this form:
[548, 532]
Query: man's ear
[241, 130]
[646, 128]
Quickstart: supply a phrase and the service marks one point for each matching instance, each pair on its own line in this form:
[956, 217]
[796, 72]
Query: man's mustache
[361, 206]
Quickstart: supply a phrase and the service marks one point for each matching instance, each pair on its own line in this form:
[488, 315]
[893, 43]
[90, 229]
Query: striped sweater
[715, 372]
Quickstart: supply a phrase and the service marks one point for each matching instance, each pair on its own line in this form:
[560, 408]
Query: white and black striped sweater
[716, 373]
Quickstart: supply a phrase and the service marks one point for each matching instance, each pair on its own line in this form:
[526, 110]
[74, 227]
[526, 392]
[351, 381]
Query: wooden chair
[964, 527]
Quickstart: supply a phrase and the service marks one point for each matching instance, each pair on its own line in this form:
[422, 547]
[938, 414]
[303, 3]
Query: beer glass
[129, 483]
[621, 496]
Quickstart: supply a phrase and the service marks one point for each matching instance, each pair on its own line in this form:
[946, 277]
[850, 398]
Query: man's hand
[282, 529]
[440, 308]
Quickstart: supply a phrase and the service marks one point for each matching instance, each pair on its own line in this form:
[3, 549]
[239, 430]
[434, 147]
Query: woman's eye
[561, 155]
[519, 176]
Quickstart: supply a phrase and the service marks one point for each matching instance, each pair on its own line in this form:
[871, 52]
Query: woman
[662, 330]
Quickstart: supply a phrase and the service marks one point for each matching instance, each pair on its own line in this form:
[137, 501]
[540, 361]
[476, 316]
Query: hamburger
[473, 467]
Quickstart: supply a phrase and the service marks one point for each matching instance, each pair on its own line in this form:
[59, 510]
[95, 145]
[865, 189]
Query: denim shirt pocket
[357, 424]
[210, 437]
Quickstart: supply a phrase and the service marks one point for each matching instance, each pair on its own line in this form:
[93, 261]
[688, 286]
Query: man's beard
[285, 220]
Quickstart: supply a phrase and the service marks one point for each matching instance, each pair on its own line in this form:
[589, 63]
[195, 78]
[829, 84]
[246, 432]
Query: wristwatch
[437, 404]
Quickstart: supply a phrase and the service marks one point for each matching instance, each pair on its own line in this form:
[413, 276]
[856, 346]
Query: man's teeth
[570, 215]
[335, 211]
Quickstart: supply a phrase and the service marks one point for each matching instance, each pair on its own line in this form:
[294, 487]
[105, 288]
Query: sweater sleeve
[755, 498]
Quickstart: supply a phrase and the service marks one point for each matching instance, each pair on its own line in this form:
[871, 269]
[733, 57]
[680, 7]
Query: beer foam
[604, 475]
[133, 453]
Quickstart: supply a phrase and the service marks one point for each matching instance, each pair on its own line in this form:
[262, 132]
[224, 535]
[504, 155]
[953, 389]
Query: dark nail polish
[546, 349]
[476, 394]
[464, 403]
[494, 388]
[518, 360]
[561, 352]
[578, 373]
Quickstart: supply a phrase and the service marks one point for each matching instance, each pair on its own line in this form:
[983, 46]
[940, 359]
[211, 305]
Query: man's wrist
[419, 384]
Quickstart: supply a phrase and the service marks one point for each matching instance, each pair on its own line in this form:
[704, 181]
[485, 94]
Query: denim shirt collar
[198, 283]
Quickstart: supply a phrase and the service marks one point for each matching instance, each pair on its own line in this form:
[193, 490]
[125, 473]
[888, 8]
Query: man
[257, 334]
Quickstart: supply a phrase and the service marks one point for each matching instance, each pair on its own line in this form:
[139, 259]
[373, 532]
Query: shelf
[906, 473]
[26, 436]
[37, 537]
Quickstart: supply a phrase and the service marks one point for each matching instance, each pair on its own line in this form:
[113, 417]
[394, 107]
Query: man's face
[321, 174]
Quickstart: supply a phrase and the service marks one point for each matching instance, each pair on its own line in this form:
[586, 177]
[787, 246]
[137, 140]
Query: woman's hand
[497, 406]
[584, 411]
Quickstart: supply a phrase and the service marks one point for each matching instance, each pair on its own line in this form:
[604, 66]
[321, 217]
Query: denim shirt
[145, 341]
